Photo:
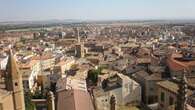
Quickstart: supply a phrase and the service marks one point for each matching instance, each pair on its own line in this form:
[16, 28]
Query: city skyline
[22, 10]
[97, 55]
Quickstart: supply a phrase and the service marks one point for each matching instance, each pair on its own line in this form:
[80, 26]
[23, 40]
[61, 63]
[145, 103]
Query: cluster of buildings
[98, 67]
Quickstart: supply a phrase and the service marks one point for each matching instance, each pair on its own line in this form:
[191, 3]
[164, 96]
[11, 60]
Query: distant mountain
[69, 21]
[53, 21]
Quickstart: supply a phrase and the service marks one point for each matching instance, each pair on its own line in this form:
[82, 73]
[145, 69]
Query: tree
[38, 95]
[23, 40]
[74, 66]
[53, 87]
[29, 105]
[93, 75]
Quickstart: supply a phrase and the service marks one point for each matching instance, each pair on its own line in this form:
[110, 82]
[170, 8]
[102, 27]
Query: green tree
[93, 75]
[29, 105]
[38, 95]
[23, 40]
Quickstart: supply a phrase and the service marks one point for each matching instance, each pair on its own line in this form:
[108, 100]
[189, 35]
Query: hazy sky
[14, 10]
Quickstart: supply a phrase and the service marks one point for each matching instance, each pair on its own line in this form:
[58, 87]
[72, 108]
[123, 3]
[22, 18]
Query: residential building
[167, 94]
[124, 89]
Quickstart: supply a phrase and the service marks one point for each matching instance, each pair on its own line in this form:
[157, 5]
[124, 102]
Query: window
[162, 96]
[152, 99]
[16, 84]
[146, 54]
[151, 89]
[171, 100]
[127, 87]
[1, 106]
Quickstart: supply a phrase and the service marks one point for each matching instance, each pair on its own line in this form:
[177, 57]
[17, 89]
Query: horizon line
[98, 20]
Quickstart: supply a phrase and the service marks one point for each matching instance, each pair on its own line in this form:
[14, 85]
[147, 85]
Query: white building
[30, 73]
[125, 90]
[3, 63]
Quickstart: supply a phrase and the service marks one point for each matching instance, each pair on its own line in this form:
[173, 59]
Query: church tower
[14, 83]
[79, 47]
[79, 50]
[112, 103]
[78, 36]
[50, 101]
[182, 93]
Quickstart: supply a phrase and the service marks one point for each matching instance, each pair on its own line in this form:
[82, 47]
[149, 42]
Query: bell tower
[182, 93]
[112, 103]
[14, 83]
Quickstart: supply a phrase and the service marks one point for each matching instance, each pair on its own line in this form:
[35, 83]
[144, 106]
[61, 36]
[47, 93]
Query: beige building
[151, 88]
[167, 95]
[69, 83]
[6, 100]
[37, 69]
[47, 61]
[36, 66]
[65, 65]
[140, 78]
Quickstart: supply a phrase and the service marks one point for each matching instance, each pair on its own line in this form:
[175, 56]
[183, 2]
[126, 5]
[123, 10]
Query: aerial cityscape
[97, 55]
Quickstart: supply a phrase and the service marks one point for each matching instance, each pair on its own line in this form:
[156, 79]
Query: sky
[30, 10]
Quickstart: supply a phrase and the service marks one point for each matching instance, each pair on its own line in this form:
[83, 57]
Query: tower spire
[112, 103]
[14, 82]
[12, 72]
[182, 93]
[78, 36]
[50, 101]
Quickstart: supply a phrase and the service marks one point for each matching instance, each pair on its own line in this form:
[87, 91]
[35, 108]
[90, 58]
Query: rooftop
[177, 65]
[171, 86]
[69, 83]
[74, 100]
